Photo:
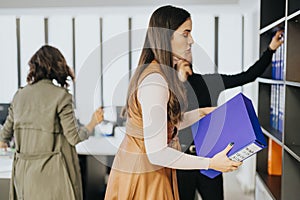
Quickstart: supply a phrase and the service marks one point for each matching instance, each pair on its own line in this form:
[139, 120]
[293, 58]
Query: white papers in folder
[106, 128]
[110, 113]
[245, 152]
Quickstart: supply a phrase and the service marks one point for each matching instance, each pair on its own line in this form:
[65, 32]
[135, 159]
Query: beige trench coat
[41, 119]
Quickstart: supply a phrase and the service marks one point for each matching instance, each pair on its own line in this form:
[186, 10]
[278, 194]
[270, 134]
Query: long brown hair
[49, 63]
[157, 46]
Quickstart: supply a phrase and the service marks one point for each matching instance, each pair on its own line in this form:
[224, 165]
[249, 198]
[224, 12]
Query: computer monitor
[3, 112]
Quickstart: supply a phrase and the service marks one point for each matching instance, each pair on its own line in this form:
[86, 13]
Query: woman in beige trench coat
[41, 119]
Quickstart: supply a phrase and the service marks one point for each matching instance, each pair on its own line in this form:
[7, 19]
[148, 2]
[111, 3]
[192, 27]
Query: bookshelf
[274, 15]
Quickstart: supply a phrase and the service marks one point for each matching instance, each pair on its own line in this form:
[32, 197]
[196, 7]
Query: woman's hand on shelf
[277, 40]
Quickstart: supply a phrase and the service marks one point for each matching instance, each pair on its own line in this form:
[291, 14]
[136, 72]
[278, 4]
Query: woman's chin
[188, 56]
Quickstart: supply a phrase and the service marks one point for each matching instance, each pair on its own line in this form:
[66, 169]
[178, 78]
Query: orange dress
[132, 176]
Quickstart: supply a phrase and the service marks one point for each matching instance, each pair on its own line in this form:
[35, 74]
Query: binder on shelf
[274, 158]
[234, 121]
[272, 106]
[278, 64]
[276, 107]
[274, 65]
[281, 108]
[281, 62]
[280, 59]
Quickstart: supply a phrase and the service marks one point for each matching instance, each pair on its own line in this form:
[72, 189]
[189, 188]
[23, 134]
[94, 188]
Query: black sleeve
[206, 88]
[251, 74]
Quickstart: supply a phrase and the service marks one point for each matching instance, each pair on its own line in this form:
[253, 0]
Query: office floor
[232, 188]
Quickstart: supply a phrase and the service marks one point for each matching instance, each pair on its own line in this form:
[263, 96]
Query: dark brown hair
[157, 46]
[49, 63]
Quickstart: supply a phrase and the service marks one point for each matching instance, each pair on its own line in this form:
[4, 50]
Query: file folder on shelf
[274, 158]
[234, 121]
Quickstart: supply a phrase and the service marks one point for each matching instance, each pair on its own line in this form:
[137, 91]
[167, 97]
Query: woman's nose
[191, 40]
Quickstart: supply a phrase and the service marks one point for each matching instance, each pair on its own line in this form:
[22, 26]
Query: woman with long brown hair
[144, 166]
[41, 119]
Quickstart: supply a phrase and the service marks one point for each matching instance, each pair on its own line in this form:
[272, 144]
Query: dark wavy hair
[157, 46]
[49, 63]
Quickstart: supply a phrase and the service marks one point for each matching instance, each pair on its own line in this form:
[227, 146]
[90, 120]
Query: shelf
[261, 190]
[265, 39]
[264, 104]
[273, 183]
[293, 15]
[294, 151]
[271, 11]
[276, 24]
[293, 6]
[292, 125]
[264, 112]
[270, 81]
[290, 178]
[291, 83]
[285, 96]
[274, 136]
[293, 44]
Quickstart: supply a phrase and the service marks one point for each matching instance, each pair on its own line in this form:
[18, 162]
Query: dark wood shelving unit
[281, 14]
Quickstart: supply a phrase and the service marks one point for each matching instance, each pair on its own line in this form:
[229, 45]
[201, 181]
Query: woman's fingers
[99, 115]
[4, 146]
[228, 148]
[234, 166]
[277, 40]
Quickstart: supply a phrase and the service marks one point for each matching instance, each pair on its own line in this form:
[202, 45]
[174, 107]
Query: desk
[95, 145]
[96, 155]
[5, 174]
[101, 145]
[5, 167]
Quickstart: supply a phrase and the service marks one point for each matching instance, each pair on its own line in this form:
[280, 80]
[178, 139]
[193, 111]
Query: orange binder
[274, 158]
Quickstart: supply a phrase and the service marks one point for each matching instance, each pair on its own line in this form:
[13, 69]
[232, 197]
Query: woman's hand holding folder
[221, 162]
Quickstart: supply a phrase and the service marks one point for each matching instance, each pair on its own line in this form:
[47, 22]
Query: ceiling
[92, 3]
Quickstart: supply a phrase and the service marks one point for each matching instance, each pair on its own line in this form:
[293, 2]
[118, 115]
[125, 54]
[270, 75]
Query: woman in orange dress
[144, 166]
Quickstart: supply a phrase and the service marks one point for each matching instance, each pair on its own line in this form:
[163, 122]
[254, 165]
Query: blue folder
[234, 121]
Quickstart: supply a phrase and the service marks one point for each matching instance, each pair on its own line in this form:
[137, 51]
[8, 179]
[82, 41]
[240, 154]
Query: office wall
[230, 50]
[98, 46]
[9, 59]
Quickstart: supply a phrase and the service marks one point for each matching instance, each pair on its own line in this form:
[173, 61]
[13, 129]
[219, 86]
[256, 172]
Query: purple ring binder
[234, 121]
